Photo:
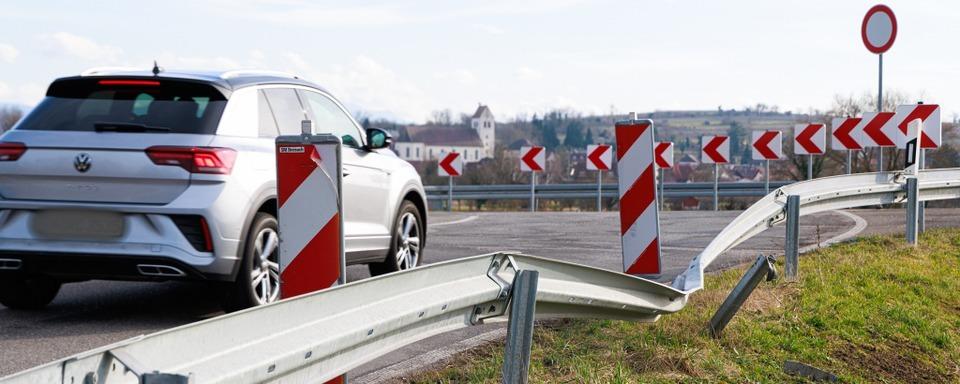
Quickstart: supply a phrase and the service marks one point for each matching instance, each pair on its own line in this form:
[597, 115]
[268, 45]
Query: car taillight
[11, 151]
[195, 159]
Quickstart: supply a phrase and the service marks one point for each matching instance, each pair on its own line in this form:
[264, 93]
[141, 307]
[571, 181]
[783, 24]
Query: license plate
[78, 224]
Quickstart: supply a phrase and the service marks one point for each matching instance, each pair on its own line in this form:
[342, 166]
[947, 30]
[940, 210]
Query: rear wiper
[127, 127]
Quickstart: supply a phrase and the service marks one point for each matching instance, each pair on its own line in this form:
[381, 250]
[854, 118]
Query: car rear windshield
[128, 105]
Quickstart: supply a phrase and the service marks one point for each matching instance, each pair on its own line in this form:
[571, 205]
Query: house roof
[516, 145]
[444, 135]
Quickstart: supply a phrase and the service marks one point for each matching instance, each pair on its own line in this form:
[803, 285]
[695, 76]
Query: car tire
[406, 243]
[28, 293]
[258, 279]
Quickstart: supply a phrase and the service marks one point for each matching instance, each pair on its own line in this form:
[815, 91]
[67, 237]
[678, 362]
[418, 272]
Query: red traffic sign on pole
[879, 29]
[664, 154]
[599, 157]
[714, 149]
[639, 217]
[896, 128]
[767, 145]
[871, 129]
[809, 139]
[451, 165]
[311, 254]
[845, 135]
[532, 159]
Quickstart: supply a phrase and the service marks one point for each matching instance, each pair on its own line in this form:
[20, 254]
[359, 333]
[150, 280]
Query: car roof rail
[97, 71]
[255, 72]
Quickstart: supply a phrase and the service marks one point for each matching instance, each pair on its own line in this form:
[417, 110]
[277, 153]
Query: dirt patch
[886, 362]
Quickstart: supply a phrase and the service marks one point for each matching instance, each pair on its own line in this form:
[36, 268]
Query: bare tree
[441, 117]
[9, 115]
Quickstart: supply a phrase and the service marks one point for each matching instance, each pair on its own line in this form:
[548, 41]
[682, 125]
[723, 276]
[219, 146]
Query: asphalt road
[92, 314]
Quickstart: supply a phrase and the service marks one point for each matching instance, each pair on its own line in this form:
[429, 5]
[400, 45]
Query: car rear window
[127, 105]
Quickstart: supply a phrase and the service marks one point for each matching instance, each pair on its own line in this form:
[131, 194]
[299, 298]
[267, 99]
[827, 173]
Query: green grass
[874, 310]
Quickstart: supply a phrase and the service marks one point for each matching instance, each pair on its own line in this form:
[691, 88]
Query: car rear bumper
[83, 266]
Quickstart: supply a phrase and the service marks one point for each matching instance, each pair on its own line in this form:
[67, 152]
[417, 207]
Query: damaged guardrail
[316, 337]
[818, 195]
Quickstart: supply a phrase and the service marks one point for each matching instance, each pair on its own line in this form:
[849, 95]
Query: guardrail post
[792, 238]
[762, 268]
[913, 208]
[523, 302]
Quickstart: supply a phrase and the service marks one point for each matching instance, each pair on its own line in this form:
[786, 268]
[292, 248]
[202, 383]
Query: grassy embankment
[874, 310]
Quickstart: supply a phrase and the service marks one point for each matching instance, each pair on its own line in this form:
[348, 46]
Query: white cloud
[460, 76]
[368, 86]
[4, 91]
[25, 94]
[81, 47]
[8, 52]
[527, 73]
[490, 29]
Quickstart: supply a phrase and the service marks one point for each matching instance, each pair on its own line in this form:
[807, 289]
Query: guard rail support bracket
[500, 262]
[165, 378]
[763, 268]
[792, 239]
[516, 357]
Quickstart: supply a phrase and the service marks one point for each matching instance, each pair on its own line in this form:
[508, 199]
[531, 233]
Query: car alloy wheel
[408, 242]
[265, 271]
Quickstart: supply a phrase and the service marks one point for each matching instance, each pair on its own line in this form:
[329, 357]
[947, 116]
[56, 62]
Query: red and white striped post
[639, 216]
[310, 223]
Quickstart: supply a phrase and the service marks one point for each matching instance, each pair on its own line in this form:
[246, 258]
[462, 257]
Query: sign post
[715, 150]
[310, 223]
[599, 158]
[451, 166]
[639, 217]
[664, 153]
[810, 140]
[767, 145]
[533, 160]
[878, 31]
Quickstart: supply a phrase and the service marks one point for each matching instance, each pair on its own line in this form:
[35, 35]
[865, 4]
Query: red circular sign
[879, 29]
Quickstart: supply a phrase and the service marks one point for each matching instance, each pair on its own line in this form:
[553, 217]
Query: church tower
[482, 122]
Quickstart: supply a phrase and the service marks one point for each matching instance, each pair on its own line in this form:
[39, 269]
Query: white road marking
[859, 225]
[461, 221]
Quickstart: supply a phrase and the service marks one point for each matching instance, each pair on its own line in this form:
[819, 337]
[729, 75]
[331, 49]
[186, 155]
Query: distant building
[431, 142]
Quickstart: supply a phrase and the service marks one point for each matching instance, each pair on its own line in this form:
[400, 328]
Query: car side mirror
[378, 138]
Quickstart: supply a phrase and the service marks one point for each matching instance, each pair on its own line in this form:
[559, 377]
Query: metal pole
[792, 238]
[912, 209]
[662, 197]
[762, 268]
[921, 219]
[809, 167]
[766, 181]
[716, 187]
[516, 357]
[599, 191]
[450, 195]
[533, 187]
[880, 108]
[849, 161]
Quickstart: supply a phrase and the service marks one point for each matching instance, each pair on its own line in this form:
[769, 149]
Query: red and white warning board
[450, 165]
[929, 114]
[767, 145]
[533, 159]
[809, 139]
[714, 149]
[639, 218]
[845, 135]
[310, 222]
[870, 130]
[664, 154]
[599, 157]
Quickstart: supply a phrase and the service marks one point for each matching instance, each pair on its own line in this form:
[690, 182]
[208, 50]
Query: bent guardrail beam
[315, 337]
[589, 191]
[818, 195]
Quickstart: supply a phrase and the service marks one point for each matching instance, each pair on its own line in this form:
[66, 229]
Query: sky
[404, 59]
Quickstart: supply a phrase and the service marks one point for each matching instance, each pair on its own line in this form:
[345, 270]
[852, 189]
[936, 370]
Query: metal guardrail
[589, 191]
[818, 195]
[316, 337]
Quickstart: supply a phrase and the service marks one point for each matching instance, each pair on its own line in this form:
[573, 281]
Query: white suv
[158, 175]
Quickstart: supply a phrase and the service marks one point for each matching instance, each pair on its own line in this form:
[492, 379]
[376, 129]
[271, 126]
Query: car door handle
[345, 171]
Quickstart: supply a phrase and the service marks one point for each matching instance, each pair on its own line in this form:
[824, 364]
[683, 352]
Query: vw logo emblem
[82, 162]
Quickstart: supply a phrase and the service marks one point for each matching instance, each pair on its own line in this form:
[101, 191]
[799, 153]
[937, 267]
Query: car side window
[286, 108]
[329, 118]
[267, 123]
